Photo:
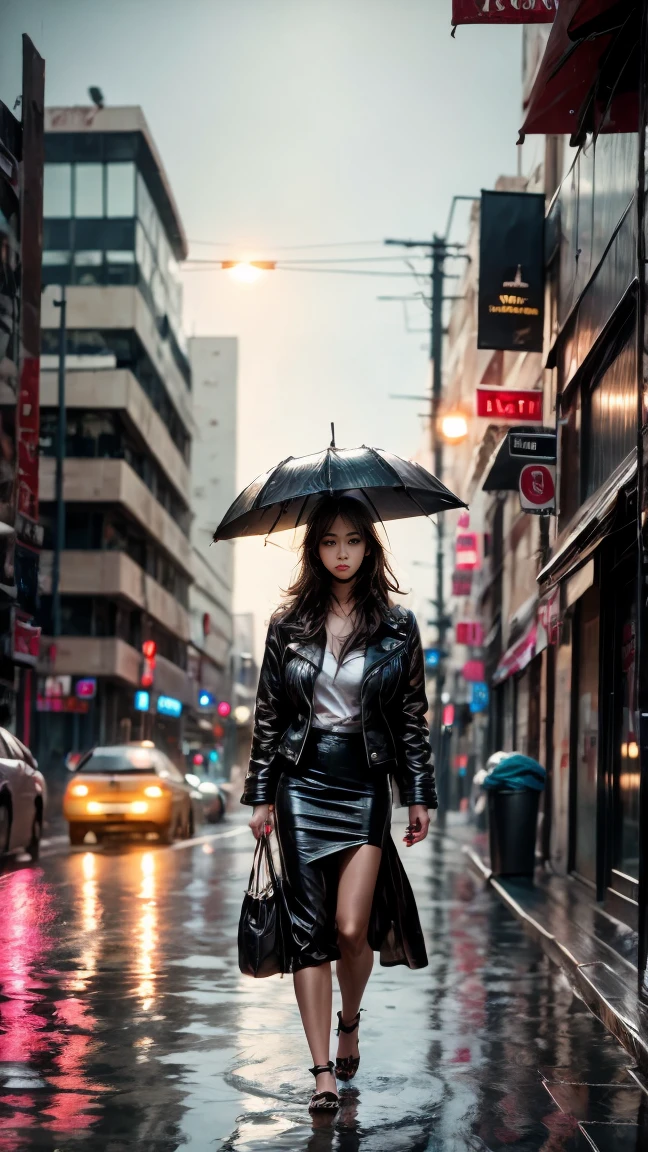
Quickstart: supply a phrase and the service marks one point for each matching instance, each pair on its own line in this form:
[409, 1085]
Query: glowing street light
[454, 427]
[248, 271]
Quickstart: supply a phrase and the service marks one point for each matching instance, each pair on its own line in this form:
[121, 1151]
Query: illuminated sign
[448, 715]
[473, 671]
[86, 689]
[505, 405]
[432, 657]
[142, 701]
[503, 11]
[205, 699]
[510, 313]
[168, 706]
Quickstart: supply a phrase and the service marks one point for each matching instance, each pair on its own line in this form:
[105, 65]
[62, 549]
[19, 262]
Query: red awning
[589, 13]
[567, 96]
[516, 658]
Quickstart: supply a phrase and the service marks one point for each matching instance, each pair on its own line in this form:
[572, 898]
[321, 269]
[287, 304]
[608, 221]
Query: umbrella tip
[332, 444]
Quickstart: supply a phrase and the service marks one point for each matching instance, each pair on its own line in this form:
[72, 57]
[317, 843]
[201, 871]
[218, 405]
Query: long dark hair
[308, 599]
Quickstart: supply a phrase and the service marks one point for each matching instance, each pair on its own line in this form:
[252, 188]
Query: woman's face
[342, 549]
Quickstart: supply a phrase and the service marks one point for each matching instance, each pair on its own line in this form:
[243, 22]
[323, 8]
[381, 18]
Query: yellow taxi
[128, 788]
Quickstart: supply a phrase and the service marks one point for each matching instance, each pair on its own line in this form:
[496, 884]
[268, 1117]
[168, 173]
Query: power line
[209, 266]
[322, 260]
[291, 247]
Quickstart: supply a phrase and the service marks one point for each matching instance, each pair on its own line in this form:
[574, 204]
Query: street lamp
[248, 271]
[454, 427]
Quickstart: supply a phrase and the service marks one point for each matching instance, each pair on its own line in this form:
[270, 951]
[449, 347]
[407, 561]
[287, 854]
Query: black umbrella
[284, 497]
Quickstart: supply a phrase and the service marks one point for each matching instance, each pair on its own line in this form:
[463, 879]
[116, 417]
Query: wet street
[125, 1023]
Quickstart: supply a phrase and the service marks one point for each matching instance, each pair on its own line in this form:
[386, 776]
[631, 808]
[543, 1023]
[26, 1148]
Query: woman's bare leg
[358, 875]
[313, 989]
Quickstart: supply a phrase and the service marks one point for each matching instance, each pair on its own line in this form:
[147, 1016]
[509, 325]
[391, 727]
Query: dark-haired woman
[340, 709]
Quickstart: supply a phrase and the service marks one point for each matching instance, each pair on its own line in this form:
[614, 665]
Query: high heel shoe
[346, 1066]
[323, 1101]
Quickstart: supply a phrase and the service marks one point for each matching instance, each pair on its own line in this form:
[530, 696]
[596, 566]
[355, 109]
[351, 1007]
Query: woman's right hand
[261, 817]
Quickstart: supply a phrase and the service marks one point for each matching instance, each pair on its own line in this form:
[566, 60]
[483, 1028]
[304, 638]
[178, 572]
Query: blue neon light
[168, 706]
[142, 701]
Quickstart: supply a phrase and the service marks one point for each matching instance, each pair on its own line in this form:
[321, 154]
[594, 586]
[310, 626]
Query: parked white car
[23, 796]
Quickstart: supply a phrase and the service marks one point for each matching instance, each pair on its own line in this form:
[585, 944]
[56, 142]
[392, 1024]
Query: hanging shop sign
[466, 552]
[532, 445]
[503, 11]
[538, 488]
[507, 406]
[479, 696]
[511, 271]
[473, 671]
[461, 583]
[470, 632]
[25, 640]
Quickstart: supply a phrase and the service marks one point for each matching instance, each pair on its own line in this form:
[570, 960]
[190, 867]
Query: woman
[340, 708]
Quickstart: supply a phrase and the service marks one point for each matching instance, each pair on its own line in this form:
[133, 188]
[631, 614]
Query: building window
[120, 190]
[57, 191]
[88, 190]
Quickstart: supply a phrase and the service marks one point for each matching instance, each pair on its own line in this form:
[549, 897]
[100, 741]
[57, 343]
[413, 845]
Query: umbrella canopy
[284, 497]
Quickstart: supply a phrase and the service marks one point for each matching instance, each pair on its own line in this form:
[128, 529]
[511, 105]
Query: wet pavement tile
[126, 1025]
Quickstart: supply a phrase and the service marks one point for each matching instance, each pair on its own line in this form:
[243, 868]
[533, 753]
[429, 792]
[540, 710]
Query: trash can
[513, 784]
[512, 823]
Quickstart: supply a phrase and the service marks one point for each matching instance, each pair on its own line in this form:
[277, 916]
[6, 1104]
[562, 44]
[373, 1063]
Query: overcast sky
[299, 122]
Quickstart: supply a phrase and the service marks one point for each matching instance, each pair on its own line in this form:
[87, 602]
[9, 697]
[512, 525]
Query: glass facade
[84, 204]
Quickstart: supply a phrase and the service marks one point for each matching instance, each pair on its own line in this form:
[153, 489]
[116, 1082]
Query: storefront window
[588, 735]
[627, 847]
[561, 756]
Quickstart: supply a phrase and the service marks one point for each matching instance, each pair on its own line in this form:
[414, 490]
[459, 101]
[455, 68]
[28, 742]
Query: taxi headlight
[79, 790]
[154, 791]
[93, 807]
[139, 807]
[208, 787]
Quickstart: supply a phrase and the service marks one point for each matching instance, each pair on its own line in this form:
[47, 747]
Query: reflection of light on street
[146, 932]
[90, 923]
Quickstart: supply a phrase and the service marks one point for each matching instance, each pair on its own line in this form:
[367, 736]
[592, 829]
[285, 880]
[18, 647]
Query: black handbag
[261, 933]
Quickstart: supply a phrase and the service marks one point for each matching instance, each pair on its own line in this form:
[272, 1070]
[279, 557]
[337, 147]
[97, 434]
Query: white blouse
[336, 697]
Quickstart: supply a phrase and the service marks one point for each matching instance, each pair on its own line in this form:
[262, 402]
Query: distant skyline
[284, 122]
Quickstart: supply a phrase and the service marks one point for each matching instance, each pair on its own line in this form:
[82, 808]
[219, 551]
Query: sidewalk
[598, 952]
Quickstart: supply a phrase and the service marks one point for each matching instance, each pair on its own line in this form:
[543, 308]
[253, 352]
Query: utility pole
[438, 250]
[59, 542]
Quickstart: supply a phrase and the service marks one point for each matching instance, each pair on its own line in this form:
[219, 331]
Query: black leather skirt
[331, 801]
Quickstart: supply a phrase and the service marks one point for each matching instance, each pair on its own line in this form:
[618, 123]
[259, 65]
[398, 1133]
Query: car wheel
[33, 848]
[77, 834]
[166, 833]
[5, 826]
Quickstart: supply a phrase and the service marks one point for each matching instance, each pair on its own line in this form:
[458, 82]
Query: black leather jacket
[393, 708]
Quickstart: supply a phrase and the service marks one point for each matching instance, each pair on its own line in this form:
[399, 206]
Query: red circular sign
[537, 484]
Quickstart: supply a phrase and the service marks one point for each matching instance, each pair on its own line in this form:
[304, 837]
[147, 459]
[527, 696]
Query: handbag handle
[262, 859]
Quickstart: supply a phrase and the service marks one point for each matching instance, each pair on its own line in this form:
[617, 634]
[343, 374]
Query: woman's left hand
[419, 822]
